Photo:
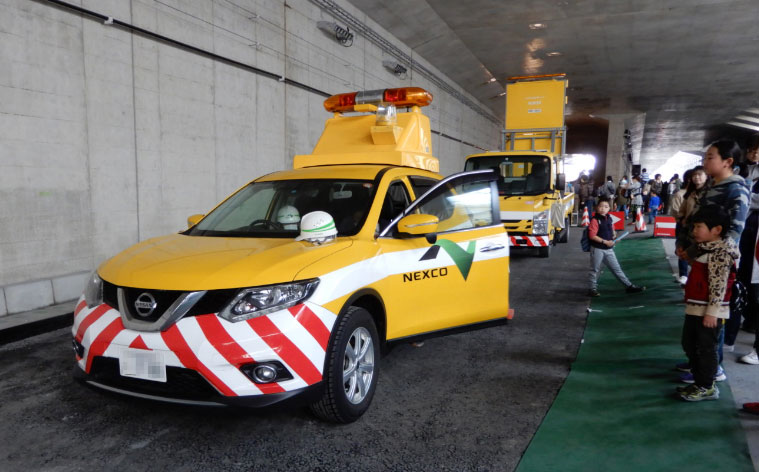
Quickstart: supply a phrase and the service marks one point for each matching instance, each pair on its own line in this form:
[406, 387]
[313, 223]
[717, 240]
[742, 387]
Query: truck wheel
[564, 237]
[351, 370]
[544, 251]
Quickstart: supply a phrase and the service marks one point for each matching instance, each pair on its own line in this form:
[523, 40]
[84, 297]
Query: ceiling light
[553, 54]
[743, 125]
[537, 26]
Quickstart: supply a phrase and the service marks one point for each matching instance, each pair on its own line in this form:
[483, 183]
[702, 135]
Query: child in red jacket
[707, 300]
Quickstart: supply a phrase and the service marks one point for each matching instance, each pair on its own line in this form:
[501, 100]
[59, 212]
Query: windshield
[519, 175]
[274, 209]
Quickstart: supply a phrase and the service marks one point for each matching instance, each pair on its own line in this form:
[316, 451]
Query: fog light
[78, 348]
[266, 372]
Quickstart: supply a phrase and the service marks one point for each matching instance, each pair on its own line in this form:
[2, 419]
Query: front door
[462, 276]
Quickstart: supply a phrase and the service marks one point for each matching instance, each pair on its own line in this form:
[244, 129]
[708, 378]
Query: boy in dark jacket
[601, 235]
[707, 300]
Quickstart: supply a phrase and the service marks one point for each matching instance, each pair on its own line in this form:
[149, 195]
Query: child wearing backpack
[601, 237]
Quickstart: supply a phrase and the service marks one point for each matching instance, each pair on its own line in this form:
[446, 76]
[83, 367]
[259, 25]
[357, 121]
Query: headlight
[93, 292]
[259, 301]
[540, 223]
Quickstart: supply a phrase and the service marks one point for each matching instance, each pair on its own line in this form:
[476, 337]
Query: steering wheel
[267, 224]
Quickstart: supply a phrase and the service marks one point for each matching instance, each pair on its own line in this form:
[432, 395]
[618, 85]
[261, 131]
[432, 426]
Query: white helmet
[317, 227]
[288, 216]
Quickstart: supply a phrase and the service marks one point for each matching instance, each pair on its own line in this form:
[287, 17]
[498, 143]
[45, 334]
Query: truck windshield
[519, 175]
[274, 209]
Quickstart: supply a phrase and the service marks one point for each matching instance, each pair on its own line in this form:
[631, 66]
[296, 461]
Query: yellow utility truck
[534, 206]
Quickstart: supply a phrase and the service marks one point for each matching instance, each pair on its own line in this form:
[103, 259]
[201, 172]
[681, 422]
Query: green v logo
[463, 259]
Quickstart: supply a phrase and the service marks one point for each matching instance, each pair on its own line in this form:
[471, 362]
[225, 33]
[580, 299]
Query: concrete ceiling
[683, 68]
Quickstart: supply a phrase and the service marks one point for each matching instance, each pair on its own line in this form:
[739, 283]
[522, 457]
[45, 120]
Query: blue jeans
[622, 208]
[652, 215]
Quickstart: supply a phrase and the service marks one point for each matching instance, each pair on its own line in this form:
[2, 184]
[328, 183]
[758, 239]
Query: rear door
[461, 276]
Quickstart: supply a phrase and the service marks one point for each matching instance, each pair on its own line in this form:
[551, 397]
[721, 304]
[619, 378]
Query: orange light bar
[400, 97]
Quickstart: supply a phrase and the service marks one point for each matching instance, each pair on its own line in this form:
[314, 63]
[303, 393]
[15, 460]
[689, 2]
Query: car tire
[544, 251]
[351, 369]
[564, 237]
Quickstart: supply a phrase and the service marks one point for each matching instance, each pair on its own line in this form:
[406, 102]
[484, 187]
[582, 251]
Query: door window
[463, 201]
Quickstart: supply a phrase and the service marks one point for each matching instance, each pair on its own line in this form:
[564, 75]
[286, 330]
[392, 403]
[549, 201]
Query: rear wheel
[564, 236]
[351, 370]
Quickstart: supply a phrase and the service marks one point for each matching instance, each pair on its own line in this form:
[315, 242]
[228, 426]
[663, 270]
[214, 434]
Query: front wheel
[564, 236]
[351, 370]
[544, 251]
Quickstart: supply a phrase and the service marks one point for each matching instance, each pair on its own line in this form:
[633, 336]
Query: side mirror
[417, 225]
[561, 181]
[193, 220]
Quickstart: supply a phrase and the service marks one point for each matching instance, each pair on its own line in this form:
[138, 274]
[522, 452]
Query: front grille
[163, 298]
[110, 295]
[212, 302]
[518, 226]
[181, 383]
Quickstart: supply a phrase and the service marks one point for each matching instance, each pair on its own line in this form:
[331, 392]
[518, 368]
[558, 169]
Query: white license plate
[141, 364]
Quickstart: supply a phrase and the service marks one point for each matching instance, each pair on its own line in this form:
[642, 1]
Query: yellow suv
[294, 285]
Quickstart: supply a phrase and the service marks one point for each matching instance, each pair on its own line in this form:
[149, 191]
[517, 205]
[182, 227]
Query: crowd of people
[716, 209]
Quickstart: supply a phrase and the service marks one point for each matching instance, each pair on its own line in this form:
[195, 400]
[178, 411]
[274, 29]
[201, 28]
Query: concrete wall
[108, 138]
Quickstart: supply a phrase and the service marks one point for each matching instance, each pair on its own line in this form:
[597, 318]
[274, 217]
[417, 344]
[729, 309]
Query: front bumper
[203, 355]
[529, 241]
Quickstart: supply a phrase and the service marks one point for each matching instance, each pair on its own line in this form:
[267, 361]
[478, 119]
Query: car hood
[189, 263]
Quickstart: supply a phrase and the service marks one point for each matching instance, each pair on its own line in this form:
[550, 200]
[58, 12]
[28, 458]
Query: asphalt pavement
[469, 401]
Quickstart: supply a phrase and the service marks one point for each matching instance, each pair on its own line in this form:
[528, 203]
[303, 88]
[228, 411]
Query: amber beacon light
[400, 97]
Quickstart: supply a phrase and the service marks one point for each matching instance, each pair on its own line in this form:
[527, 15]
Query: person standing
[636, 197]
[585, 197]
[707, 300]
[623, 200]
[653, 207]
[748, 271]
[672, 187]
[676, 202]
[601, 235]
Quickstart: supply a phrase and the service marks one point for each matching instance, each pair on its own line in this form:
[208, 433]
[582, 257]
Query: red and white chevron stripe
[216, 348]
[529, 241]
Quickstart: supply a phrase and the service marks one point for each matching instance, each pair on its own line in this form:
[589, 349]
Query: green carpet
[617, 409]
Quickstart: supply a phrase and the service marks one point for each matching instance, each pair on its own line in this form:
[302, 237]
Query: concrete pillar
[617, 163]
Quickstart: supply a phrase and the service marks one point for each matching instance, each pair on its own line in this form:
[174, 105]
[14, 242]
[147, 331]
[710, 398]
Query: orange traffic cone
[640, 223]
[585, 218]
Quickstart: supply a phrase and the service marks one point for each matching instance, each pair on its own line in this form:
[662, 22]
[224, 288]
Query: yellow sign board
[535, 104]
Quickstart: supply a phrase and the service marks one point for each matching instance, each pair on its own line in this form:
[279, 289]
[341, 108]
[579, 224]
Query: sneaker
[593, 293]
[697, 394]
[634, 289]
[718, 377]
[750, 358]
[752, 408]
[728, 348]
[683, 280]
[683, 367]
[683, 388]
